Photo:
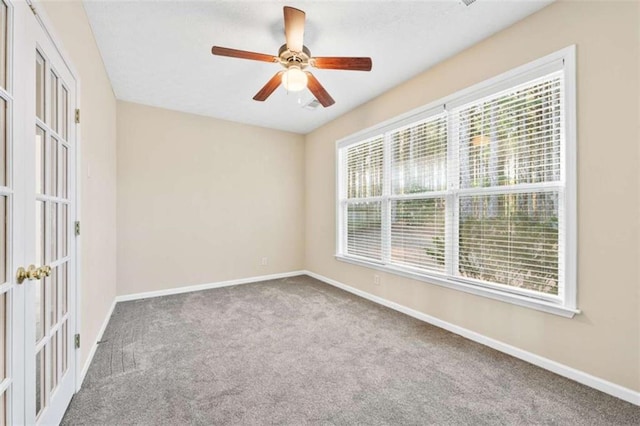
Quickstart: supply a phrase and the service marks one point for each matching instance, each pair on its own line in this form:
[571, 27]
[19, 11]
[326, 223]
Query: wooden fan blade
[268, 88]
[242, 54]
[338, 63]
[318, 91]
[294, 28]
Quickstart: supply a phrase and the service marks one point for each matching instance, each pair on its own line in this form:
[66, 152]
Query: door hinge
[77, 116]
[77, 228]
[77, 340]
[33, 9]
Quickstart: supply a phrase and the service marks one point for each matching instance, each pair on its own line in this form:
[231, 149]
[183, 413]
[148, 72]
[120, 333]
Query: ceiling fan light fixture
[294, 79]
[294, 56]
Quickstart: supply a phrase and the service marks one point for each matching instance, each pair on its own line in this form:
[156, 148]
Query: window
[475, 192]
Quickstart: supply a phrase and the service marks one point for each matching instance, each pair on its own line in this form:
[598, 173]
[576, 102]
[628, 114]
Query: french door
[42, 169]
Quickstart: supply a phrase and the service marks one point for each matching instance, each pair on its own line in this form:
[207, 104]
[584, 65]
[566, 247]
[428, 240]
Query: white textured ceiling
[159, 52]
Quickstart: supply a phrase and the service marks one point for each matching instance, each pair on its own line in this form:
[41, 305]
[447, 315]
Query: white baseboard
[198, 287]
[602, 385]
[94, 347]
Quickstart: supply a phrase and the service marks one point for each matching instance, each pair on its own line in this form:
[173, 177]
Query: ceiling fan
[295, 57]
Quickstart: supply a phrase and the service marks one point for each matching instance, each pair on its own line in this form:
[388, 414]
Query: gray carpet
[297, 351]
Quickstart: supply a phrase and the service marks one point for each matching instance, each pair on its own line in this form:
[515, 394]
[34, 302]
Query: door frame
[41, 16]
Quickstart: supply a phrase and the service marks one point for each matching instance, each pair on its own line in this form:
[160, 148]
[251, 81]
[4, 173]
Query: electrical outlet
[264, 261]
[376, 279]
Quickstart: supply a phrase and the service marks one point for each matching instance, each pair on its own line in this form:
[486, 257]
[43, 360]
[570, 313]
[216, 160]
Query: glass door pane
[40, 92]
[4, 240]
[3, 142]
[53, 99]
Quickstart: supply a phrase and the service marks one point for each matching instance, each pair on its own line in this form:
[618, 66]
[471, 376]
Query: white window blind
[473, 195]
[418, 175]
[419, 157]
[509, 156]
[364, 186]
[364, 169]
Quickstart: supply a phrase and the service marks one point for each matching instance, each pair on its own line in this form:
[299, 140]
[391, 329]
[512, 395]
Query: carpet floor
[298, 351]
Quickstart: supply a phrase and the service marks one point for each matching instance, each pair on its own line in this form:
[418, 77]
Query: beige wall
[98, 154]
[604, 339]
[202, 200]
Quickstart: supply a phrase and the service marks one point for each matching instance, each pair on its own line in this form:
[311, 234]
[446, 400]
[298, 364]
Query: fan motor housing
[288, 57]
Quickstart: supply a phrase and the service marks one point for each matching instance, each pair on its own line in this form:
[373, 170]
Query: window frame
[565, 303]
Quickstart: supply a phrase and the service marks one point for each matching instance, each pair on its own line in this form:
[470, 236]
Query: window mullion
[451, 204]
[386, 206]
[343, 227]
[341, 205]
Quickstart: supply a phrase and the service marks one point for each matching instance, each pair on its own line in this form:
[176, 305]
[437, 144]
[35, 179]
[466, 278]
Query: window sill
[515, 299]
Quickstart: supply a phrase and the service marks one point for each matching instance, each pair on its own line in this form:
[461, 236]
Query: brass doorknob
[45, 270]
[26, 274]
[32, 273]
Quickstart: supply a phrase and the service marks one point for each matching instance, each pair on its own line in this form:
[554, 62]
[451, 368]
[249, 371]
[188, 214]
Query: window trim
[563, 305]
